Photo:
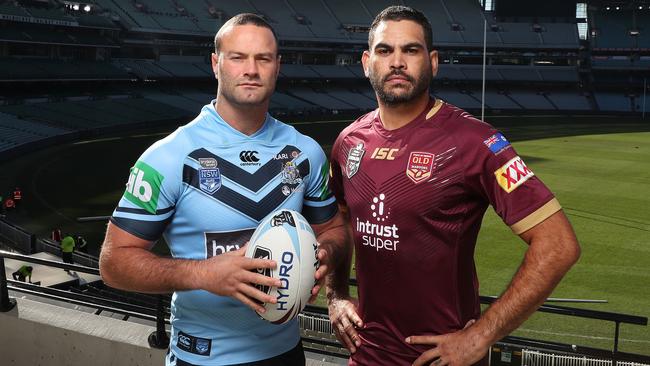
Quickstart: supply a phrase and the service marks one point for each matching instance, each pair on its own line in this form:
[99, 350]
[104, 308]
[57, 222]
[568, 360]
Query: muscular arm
[334, 237]
[127, 263]
[341, 307]
[553, 249]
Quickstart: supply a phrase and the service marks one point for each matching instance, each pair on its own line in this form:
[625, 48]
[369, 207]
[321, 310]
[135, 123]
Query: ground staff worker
[23, 273]
[205, 188]
[415, 177]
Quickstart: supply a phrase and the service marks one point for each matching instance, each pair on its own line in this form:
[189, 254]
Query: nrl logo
[354, 159]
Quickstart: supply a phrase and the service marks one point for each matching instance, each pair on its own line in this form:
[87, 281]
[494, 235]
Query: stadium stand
[611, 29]
[283, 19]
[321, 20]
[613, 102]
[568, 101]
[133, 63]
[531, 100]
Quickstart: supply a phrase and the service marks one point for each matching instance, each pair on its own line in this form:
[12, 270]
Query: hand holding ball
[286, 237]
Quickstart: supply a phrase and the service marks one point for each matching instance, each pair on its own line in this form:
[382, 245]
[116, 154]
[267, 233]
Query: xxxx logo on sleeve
[143, 187]
[513, 174]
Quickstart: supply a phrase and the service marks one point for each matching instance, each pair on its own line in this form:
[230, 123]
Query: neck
[394, 116]
[245, 119]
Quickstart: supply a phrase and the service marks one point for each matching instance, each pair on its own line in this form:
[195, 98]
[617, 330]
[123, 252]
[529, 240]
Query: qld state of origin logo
[419, 167]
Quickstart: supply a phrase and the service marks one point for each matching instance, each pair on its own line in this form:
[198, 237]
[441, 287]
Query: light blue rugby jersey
[205, 188]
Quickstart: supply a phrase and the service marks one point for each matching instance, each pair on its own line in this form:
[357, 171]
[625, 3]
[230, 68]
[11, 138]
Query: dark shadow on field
[529, 159]
[533, 128]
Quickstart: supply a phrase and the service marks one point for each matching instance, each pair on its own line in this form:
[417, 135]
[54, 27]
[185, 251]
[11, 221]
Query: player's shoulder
[361, 123]
[285, 133]
[463, 126]
[173, 147]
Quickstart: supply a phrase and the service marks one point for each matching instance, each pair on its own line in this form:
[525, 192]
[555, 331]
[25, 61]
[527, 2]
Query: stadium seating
[530, 100]
[15, 132]
[613, 102]
[569, 101]
[612, 30]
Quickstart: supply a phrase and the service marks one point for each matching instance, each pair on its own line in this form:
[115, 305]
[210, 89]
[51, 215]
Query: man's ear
[215, 64]
[364, 61]
[433, 56]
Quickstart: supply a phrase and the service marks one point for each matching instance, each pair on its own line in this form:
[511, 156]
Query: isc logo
[384, 153]
[513, 174]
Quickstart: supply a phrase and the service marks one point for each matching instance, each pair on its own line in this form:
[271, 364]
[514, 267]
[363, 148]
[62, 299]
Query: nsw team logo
[209, 175]
[420, 166]
[354, 160]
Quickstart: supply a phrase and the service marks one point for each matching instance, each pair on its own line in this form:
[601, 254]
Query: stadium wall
[36, 333]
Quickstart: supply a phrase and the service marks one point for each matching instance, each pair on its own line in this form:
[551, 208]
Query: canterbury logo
[248, 156]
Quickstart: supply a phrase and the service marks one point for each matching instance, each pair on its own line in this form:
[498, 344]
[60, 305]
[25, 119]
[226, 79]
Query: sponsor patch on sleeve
[512, 174]
[496, 143]
[143, 186]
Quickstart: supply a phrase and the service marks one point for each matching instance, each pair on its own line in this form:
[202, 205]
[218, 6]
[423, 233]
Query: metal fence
[16, 237]
[537, 358]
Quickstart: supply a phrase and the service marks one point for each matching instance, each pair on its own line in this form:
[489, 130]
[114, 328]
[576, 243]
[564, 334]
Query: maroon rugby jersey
[416, 197]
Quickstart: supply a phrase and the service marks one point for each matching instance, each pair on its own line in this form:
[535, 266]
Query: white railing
[536, 358]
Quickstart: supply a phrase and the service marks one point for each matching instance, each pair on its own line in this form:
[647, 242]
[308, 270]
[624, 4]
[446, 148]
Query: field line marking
[582, 336]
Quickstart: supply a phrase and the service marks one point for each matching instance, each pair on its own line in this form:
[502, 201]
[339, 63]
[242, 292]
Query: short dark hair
[400, 12]
[243, 19]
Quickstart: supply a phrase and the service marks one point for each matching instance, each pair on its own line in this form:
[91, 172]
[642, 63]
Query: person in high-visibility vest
[23, 273]
[67, 248]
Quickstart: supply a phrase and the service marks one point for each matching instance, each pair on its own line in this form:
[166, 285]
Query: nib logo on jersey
[377, 233]
[143, 186]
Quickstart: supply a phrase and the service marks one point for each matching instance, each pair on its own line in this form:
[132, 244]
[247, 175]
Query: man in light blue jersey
[205, 188]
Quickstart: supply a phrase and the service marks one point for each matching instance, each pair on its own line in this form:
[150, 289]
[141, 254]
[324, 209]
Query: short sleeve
[336, 182]
[152, 189]
[496, 172]
[319, 204]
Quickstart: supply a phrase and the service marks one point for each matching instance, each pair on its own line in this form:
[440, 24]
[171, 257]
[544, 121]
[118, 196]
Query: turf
[600, 175]
[603, 182]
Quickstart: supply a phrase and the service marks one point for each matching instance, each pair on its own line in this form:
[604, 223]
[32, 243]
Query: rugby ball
[286, 237]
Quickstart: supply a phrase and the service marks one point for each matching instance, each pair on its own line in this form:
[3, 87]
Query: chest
[412, 176]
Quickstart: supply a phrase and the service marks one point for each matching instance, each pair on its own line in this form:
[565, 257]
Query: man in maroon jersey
[415, 177]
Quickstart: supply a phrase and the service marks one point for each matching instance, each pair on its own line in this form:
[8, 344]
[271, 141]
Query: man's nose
[251, 70]
[397, 61]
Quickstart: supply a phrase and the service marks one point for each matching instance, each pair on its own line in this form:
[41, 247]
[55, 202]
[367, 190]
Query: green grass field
[598, 168]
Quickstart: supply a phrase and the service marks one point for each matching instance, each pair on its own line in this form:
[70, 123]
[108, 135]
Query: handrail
[50, 263]
[159, 337]
[582, 313]
[576, 312]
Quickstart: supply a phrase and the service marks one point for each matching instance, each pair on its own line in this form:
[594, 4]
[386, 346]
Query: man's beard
[420, 86]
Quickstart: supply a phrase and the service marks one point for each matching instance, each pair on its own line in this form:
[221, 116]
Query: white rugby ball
[286, 237]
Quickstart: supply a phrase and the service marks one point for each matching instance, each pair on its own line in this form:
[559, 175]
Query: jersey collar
[427, 114]
[264, 133]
